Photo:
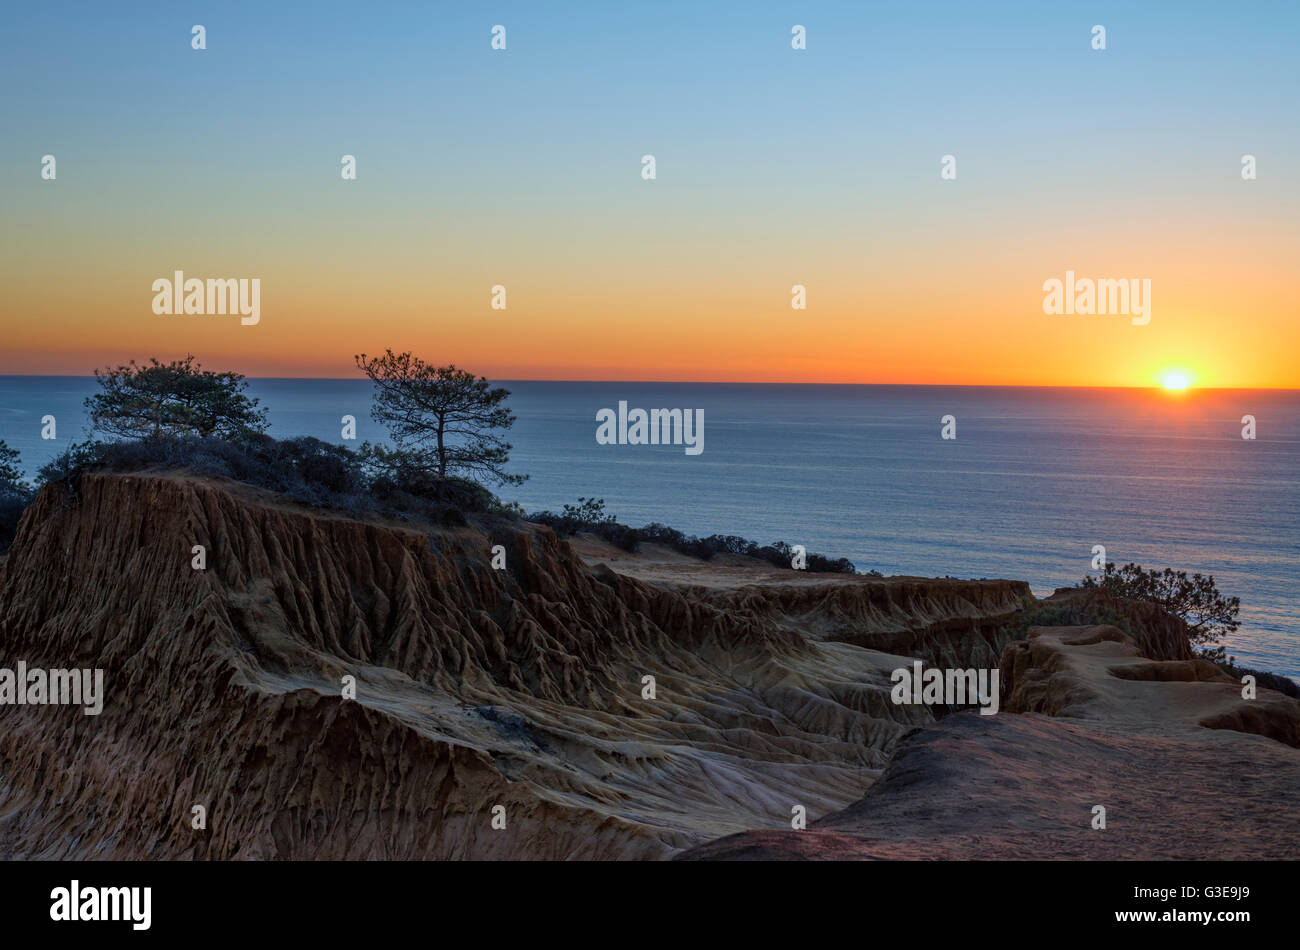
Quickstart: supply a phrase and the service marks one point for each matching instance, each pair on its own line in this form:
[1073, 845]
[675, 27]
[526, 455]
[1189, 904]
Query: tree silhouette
[442, 416]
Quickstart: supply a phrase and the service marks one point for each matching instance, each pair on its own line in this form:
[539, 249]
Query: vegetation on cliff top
[1205, 613]
[589, 516]
[1194, 599]
[178, 415]
[443, 422]
[15, 494]
[173, 399]
[442, 419]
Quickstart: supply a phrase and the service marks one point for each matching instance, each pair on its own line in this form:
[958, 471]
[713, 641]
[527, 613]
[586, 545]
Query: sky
[774, 167]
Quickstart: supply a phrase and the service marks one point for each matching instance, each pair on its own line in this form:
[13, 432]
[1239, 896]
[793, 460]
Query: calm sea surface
[1033, 480]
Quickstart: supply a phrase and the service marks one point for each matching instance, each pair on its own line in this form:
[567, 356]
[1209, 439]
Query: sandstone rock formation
[1184, 767]
[474, 687]
[523, 688]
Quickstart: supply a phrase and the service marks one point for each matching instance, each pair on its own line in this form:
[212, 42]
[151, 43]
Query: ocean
[1033, 480]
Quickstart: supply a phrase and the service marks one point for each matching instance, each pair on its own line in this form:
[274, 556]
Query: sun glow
[1176, 379]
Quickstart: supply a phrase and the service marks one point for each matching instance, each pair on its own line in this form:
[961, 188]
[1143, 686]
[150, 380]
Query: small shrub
[1068, 615]
[307, 470]
[15, 495]
[589, 516]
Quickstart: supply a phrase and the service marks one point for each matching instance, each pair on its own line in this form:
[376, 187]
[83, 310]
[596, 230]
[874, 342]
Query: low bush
[307, 470]
[377, 480]
[589, 516]
[15, 493]
[1068, 615]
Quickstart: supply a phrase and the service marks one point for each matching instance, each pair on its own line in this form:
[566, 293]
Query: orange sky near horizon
[728, 319]
[675, 286]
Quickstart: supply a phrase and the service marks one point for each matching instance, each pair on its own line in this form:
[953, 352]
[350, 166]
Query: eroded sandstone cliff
[1179, 762]
[524, 688]
[474, 687]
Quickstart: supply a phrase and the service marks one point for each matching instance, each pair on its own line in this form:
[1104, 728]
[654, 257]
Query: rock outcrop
[353, 688]
[1181, 765]
[474, 688]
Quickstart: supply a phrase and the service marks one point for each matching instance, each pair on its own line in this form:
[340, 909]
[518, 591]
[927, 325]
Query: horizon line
[712, 382]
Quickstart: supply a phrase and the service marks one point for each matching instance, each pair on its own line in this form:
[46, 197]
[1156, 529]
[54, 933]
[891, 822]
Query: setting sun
[1176, 379]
